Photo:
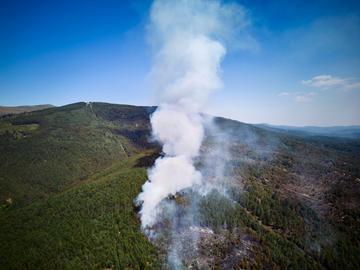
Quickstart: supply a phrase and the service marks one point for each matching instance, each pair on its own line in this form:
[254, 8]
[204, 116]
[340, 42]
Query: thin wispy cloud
[284, 94]
[298, 96]
[304, 97]
[322, 82]
[329, 81]
[353, 86]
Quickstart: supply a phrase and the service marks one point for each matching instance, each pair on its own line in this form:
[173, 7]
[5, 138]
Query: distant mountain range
[20, 109]
[351, 132]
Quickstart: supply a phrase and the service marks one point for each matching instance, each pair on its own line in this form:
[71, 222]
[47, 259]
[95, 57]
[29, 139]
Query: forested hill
[47, 151]
[69, 175]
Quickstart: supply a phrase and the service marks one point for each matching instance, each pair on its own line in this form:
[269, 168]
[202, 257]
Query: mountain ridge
[5, 110]
[350, 131]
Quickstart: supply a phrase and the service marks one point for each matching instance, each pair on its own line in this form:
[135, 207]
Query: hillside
[69, 175]
[4, 110]
[47, 151]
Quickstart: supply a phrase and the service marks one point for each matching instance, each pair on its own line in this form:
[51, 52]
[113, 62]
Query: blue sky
[303, 70]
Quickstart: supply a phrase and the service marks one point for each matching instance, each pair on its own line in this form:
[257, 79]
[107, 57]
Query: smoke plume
[189, 38]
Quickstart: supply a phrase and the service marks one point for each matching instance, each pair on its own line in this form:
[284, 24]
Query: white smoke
[168, 176]
[189, 38]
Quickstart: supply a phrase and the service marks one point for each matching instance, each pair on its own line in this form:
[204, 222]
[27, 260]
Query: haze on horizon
[300, 64]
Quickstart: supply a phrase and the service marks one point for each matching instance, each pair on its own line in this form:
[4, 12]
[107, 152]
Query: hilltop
[4, 110]
[69, 175]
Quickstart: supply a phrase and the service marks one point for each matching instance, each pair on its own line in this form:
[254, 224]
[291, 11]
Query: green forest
[69, 176]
